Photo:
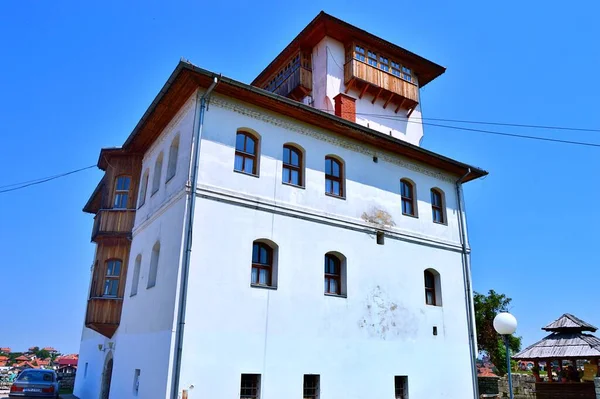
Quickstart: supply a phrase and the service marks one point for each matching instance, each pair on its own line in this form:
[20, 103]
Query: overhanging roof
[186, 78]
[569, 322]
[562, 345]
[327, 25]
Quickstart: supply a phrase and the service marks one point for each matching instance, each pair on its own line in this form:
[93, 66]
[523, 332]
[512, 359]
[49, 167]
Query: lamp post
[505, 324]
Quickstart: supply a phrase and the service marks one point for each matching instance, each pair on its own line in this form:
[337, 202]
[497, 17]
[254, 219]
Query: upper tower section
[339, 68]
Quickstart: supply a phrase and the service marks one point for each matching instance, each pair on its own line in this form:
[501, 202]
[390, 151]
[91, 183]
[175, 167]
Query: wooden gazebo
[569, 341]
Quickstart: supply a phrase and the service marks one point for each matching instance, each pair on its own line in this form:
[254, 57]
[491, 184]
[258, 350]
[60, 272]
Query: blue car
[34, 383]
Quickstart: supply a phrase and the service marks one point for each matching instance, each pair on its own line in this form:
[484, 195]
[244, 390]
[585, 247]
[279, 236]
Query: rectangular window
[406, 74]
[372, 59]
[250, 386]
[401, 386]
[85, 370]
[122, 192]
[136, 382]
[384, 64]
[311, 386]
[111, 282]
[395, 69]
[359, 53]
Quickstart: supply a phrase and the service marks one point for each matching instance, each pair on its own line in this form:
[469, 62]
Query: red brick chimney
[345, 107]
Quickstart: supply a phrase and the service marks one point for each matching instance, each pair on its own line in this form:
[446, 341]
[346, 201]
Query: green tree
[42, 354]
[488, 340]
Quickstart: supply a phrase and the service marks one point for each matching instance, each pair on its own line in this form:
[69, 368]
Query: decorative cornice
[172, 124]
[263, 116]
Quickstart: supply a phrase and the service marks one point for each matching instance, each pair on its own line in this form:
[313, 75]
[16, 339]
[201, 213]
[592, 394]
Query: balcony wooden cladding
[104, 315]
[113, 223]
[380, 84]
[294, 80]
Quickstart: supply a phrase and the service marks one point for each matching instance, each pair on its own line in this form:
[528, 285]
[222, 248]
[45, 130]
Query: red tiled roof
[68, 361]
[22, 359]
[49, 349]
[5, 350]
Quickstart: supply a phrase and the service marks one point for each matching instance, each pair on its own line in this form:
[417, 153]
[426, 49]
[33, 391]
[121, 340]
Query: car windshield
[35, 376]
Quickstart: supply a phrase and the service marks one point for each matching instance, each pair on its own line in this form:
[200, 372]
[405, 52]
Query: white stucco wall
[144, 338]
[328, 81]
[357, 344]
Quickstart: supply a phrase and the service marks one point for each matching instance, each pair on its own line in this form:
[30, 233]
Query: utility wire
[40, 181]
[493, 132]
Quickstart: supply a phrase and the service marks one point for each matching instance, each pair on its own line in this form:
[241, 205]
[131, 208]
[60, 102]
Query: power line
[547, 127]
[41, 180]
[493, 132]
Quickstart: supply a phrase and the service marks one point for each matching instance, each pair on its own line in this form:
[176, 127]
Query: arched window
[262, 264]
[292, 166]
[335, 274]
[157, 172]
[334, 177]
[437, 206]
[173, 152]
[433, 294]
[407, 192]
[112, 277]
[136, 275]
[144, 188]
[246, 153]
[122, 184]
[153, 272]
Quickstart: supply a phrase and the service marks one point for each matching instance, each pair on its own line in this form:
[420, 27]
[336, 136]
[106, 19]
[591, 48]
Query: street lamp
[505, 324]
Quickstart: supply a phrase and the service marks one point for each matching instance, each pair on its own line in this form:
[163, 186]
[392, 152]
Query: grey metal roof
[568, 322]
[562, 345]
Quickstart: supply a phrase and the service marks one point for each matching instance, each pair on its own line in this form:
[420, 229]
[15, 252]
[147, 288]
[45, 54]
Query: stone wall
[494, 387]
[597, 382]
[67, 380]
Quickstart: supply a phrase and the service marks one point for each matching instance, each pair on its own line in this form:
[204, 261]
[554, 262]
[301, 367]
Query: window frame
[401, 387]
[246, 155]
[154, 264]
[314, 386]
[330, 177]
[254, 380]
[291, 167]
[117, 192]
[373, 59]
[269, 266]
[441, 208]
[135, 278]
[156, 178]
[172, 161]
[112, 278]
[432, 289]
[408, 199]
[328, 277]
[144, 188]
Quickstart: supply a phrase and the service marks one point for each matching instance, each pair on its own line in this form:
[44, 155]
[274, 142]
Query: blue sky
[77, 76]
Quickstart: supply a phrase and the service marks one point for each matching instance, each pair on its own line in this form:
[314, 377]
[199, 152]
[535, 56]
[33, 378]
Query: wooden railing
[355, 69]
[301, 77]
[113, 222]
[104, 314]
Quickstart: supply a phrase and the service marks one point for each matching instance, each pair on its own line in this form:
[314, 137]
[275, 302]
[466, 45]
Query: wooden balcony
[104, 315]
[113, 223]
[382, 85]
[297, 85]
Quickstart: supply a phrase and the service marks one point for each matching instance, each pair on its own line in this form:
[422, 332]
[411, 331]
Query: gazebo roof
[567, 340]
[561, 345]
[570, 323]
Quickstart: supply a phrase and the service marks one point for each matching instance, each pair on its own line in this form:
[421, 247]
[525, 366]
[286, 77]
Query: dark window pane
[336, 188]
[263, 277]
[328, 166]
[239, 161]
[295, 177]
[255, 253]
[336, 168]
[250, 145]
[286, 175]
[295, 159]
[239, 142]
[249, 165]
[263, 256]
[429, 298]
[254, 275]
[429, 280]
[329, 186]
[286, 155]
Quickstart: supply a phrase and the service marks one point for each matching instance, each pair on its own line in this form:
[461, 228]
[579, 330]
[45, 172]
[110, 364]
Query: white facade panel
[328, 60]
